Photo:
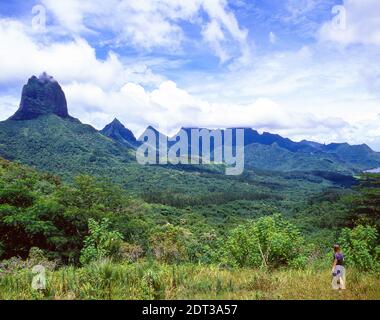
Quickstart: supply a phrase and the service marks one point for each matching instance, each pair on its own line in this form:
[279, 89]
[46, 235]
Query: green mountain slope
[273, 157]
[63, 146]
[361, 156]
[68, 148]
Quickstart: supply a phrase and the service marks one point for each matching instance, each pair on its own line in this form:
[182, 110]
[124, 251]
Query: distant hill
[273, 152]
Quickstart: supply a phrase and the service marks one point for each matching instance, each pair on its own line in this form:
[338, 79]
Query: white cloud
[320, 81]
[316, 92]
[214, 35]
[70, 14]
[357, 132]
[168, 105]
[8, 106]
[21, 56]
[150, 24]
[221, 20]
[169, 108]
[362, 24]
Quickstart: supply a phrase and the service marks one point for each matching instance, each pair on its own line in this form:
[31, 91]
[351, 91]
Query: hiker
[338, 270]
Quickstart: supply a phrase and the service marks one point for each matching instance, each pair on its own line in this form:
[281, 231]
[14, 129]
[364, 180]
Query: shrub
[101, 242]
[36, 257]
[170, 243]
[361, 248]
[267, 242]
[11, 265]
[131, 252]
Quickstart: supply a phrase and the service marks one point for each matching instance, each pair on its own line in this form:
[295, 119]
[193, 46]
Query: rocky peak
[117, 131]
[41, 96]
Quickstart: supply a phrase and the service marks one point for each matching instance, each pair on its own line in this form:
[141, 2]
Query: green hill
[63, 146]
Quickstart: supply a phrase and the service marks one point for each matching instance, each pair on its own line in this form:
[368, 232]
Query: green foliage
[267, 242]
[170, 243]
[101, 243]
[361, 247]
[17, 195]
[365, 203]
[36, 210]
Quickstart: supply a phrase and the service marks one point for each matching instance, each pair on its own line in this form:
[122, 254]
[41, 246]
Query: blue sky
[285, 66]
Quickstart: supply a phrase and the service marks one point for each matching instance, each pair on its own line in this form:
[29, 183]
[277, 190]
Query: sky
[305, 69]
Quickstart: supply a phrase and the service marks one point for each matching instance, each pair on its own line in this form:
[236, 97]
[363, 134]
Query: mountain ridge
[43, 109]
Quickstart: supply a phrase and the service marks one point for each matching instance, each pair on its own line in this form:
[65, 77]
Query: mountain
[262, 150]
[44, 135]
[41, 96]
[154, 131]
[274, 157]
[360, 155]
[268, 139]
[60, 145]
[55, 142]
[118, 132]
[252, 136]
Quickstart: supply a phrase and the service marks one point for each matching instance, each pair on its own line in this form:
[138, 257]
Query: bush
[361, 248]
[36, 257]
[11, 265]
[170, 243]
[101, 242]
[131, 252]
[268, 242]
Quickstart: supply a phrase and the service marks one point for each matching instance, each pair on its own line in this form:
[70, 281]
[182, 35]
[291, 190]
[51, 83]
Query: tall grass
[152, 280]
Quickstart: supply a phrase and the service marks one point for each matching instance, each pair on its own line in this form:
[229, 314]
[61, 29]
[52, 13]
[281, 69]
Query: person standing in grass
[338, 270]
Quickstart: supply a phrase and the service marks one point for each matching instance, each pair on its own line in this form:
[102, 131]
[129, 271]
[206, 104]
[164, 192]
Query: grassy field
[148, 280]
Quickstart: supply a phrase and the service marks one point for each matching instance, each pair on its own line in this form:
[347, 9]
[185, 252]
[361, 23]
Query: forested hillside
[44, 220]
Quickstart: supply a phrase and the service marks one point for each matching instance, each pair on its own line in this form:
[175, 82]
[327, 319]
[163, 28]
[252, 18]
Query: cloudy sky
[305, 69]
